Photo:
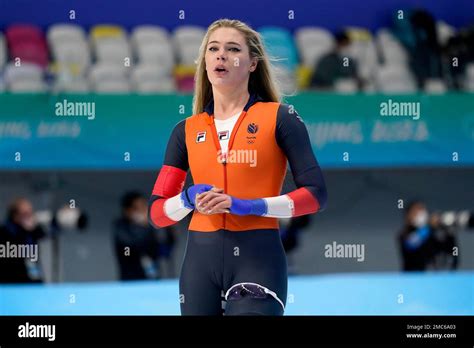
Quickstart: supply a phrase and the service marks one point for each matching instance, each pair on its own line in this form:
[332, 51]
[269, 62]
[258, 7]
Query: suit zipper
[225, 185]
[218, 147]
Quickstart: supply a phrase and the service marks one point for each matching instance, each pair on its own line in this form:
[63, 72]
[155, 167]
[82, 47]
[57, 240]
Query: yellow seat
[73, 69]
[358, 34]
[102, 31]
[303, 76]
[182, 70]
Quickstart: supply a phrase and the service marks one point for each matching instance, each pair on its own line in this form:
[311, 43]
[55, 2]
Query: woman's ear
[253, 65]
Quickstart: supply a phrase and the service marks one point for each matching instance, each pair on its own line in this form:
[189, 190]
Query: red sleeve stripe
[303, 202]
[170, 182]
[158, 215]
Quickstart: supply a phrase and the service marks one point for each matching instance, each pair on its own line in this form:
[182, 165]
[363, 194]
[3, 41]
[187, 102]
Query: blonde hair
[261, 81]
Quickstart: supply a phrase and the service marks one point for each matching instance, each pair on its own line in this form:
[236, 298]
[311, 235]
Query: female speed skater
[236, 145]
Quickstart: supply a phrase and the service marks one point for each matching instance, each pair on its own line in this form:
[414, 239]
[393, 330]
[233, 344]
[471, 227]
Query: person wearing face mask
[136, 246]
[20, 231]
[417, 239]
[334, 65]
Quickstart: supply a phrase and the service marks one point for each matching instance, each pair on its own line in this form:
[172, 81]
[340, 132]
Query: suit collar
[254, 98]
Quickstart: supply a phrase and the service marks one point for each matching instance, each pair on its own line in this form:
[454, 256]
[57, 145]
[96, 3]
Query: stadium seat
[24, 32]
[113, 87]
[149, 78]
[435, 86]
[65, 81]
[303, 76]
[184, 75]
[26, 71]
[27, 43]
[69, 46]
[160, 53]
[106, 31]
[280, 45]
[3, 51]
[152, 45]
[28, 87]
[363, 50]
[161, 62]
[313, 43]
[392, 78]
[369, 87]
[469, 78]
[109, 78]
[187, 41]
[60, 33]
[149, 33]
[75, 54]
[68, 78]
[346, 86]
[113, 50]
[444, 32]
[391, 50]
[31, 52]
[28, 77]
[110, 44]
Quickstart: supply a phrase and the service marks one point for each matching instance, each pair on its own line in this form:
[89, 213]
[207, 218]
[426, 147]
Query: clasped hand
[214, 201]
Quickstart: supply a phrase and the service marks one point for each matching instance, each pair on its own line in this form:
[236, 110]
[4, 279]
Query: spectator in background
[426, 242]
[136, 245]
[446, 240]
[333, 66]
[426, 56]
[20, 229]
[416, 239]
[419, 36]
[460, 46]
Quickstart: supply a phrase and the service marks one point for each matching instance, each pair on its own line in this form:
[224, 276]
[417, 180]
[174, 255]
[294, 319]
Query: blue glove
[248, 206]
[417, 238]
[189, 195]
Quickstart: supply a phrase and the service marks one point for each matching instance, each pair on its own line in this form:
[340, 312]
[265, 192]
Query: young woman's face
[227, 50]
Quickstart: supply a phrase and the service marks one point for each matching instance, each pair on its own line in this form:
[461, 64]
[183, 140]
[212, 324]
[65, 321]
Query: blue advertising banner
[44, 131]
